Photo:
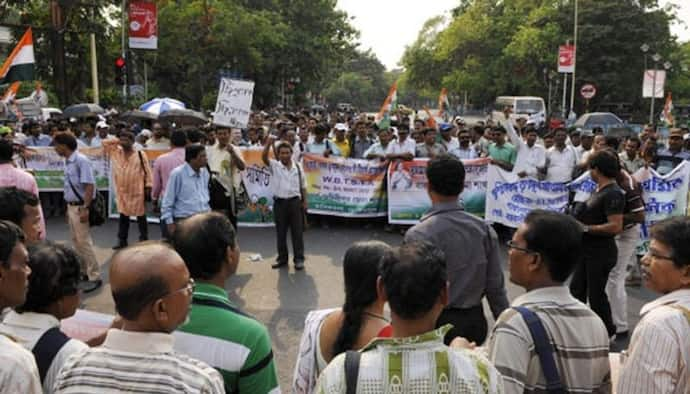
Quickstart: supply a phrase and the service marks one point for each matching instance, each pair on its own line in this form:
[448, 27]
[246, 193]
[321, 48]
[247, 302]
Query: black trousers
[590, 276]
[123, 228]
[468, 323]
[288, 214]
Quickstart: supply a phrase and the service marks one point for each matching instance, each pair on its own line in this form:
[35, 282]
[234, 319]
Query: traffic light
[120, 71]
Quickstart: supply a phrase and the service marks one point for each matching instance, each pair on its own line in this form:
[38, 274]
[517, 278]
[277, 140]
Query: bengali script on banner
[49, 168]
[257, 181]
[510, 198]
[345, 187]
[407, 195]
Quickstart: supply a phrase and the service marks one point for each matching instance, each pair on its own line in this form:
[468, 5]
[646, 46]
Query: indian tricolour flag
[383, 118]
[443, 103]
[20, 65]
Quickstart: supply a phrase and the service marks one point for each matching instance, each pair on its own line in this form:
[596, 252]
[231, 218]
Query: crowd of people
[177, 331]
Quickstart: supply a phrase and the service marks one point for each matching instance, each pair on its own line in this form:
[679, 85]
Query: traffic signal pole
[124, 49]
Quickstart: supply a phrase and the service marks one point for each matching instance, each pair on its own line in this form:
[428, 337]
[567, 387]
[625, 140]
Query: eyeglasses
[654, 255]
[512, 245]
[189, 288]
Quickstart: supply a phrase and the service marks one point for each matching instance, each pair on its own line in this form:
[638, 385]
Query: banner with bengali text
[510, 198]
[407, 195]
[345, 187]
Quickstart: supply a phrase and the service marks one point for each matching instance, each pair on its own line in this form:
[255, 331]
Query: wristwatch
[585, 229]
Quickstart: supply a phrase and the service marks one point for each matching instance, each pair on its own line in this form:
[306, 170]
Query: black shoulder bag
[98, 210]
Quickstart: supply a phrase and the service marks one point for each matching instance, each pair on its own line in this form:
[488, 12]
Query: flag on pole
[11, 92]
[667, 114]
[443, 103]
[20, 65]
[390, 104]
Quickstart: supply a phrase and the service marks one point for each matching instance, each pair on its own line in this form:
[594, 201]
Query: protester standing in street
[159, 140]
[187, 191]
[602, 219]
[132, 177]
[290, 202]
[163, 167]
[471, 249]
[79, 190]
[226, 163]
[561, 159]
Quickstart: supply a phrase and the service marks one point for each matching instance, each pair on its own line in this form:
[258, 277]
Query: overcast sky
[387, 26]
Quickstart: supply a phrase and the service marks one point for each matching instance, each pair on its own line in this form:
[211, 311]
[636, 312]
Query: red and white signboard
[588, 91]
[566, 58]
[143, 25]
[654, 80]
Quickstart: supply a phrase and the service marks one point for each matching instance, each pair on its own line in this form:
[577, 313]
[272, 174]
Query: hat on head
[459, 120]
[102, 125]
[443, 127]
[5, 130]
[576, 131]
[146, 133]
[676, 133]
[341, 127]
[587, 133]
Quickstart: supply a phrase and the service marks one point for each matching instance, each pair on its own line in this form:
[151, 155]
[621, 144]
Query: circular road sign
[588, 91]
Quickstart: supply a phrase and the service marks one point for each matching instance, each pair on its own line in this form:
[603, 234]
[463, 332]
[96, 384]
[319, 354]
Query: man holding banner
[471, 248]
[290, 203]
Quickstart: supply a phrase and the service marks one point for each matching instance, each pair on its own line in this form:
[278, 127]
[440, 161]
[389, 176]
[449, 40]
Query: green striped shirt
[231, 341]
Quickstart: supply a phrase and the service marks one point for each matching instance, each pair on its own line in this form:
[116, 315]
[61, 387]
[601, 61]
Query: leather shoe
[277, 265]
[88, 286]
[299, 265]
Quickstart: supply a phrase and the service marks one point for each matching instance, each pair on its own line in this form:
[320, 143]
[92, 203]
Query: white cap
[102, 125]
[341, 126]
[146, 133]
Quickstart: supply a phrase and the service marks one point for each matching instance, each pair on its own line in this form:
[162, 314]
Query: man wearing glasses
[659, 352]
[152, 290]
[542, 254]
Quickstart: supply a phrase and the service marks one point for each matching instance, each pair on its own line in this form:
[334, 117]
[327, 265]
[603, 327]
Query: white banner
[234, 103]
[510, 198]
[650, 84]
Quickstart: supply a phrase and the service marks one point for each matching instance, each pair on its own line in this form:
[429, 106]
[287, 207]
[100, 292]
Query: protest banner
[407, 195]
[345, 187]
[257, 182]
[49, 168]
[510, 198]
[234, 103]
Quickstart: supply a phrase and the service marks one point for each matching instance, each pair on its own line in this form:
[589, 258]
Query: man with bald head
[152, 291]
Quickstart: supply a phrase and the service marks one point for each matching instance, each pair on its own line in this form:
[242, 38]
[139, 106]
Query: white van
[531, 108]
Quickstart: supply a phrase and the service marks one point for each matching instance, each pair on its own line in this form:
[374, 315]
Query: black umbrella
[136, 114]
[183, 117]
[85, 110]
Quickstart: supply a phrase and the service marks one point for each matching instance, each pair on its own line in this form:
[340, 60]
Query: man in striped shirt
[542, 255]
[152, 291]
[415, 360]
[218, 332]
[659, 352]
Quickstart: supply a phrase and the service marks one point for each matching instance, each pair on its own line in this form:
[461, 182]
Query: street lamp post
[656, 57]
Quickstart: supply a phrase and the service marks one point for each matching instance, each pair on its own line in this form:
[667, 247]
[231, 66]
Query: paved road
[281, 299]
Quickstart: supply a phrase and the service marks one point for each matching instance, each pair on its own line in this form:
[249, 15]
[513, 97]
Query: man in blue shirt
[79, 190]
[34, 137]
[187, 191]
[668, 159]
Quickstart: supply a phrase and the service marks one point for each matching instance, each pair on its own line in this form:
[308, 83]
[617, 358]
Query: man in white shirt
[464, 151]
[659, 351]
[18, 371]
[448, 140]
[226, 163]
[560, 159]
[530, 156]
[289, 201]
[159, 140]
[380, 149]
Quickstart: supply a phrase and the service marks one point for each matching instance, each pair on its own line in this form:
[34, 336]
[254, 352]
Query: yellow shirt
[343, 146]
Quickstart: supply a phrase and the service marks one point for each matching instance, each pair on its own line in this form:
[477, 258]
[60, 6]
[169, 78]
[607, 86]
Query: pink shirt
[162, 168]
[22, 180]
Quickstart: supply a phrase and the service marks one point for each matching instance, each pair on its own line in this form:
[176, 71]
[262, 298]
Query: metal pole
[124, 50]
[565, 93]
[572, 91]
[146, 81]
[548, 102]
[94, 69]
[651, 109]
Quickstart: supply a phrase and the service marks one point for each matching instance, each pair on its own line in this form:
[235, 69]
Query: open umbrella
[85, 110]
[158, 106]
[183, 117]
[136, 114]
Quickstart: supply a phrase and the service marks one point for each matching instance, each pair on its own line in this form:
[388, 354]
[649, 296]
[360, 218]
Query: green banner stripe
[19, 72]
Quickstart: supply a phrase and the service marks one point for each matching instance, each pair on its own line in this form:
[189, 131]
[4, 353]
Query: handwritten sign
[234, 103]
